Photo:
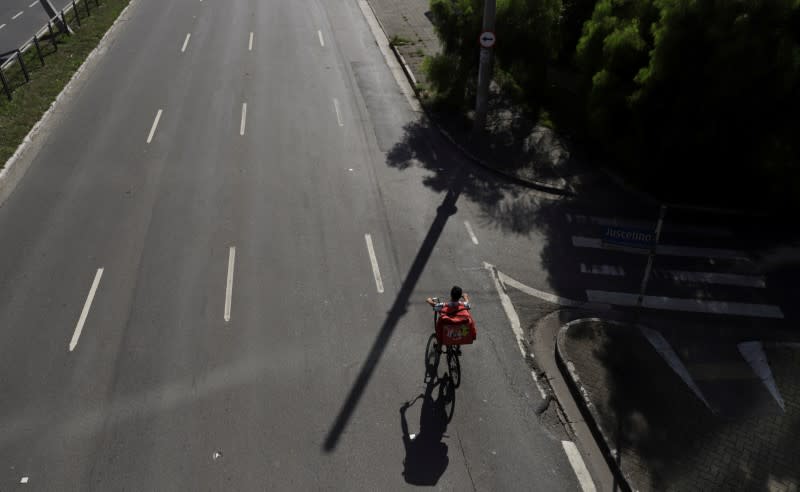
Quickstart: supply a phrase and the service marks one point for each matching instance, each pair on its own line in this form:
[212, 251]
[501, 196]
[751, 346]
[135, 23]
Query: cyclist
[458, 301]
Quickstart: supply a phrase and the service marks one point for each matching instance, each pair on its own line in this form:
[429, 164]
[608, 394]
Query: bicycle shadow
[426, 455]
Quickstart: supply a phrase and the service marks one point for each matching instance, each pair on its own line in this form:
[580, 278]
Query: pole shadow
[399, 307]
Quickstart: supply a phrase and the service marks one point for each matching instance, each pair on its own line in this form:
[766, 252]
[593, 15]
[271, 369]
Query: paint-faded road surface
[236, 337]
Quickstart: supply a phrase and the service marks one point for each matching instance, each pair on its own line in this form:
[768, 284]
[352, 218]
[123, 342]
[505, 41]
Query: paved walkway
[690, 416]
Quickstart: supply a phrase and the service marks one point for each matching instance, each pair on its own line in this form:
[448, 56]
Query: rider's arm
[466, 301]
[430, 301]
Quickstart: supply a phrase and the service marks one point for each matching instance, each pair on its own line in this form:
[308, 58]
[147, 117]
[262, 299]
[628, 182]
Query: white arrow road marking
[85, 312]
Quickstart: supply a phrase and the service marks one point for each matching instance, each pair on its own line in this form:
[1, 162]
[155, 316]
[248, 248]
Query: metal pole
[484, 70]
[53, 14]
[86, 4]
[75, 10]
[52, 35]
[38, 49]
[650, 258]
[5, 83]
[22, 66]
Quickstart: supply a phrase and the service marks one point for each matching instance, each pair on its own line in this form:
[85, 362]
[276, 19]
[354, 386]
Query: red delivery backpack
[455, 326]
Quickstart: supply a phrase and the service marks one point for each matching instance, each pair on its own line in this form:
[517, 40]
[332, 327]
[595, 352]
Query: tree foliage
[706, 89]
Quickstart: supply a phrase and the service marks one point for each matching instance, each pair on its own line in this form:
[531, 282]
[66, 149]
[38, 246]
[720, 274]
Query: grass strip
[32, 99]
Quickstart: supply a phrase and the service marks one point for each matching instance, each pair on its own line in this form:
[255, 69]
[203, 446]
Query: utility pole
[650, 257]
[485, 68]
[52, 14]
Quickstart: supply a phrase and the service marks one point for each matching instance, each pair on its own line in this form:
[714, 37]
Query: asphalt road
[119, 369]
[21, 19]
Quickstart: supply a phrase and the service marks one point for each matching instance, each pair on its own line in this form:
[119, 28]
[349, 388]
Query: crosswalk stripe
[649, 224]
[755, 281]
[670, 250]
[686, 305]
[610, 270]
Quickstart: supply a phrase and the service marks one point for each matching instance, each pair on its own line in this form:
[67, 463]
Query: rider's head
[455, 293]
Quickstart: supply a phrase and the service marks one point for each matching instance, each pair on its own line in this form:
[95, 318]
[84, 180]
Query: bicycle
[433, 353]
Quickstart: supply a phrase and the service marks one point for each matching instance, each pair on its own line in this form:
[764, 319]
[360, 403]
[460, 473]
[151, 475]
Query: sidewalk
[722, 426]
[513, 145]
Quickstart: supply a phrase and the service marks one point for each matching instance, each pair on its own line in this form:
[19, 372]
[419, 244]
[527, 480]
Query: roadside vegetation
[693, 100]
[32, 99]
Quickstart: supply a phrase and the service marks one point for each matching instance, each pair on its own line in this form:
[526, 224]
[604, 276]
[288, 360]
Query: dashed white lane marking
[471, 232]
[374, 261]
[229, 282]
[244, 119]
[686, 305]
[321, 41]
[85, 312]
[34, 4]
[611, 270]
[23, 480]
[670, 250]
[338, 113]
[538, 386]
[2, 26]
[578, 466]
[155, 125]
[186, 42]
[250, 43]
[18, 14]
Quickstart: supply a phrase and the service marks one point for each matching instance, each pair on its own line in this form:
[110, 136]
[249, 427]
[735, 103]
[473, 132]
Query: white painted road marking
[374, 261]
[229, 282]
[85, 312]
[15, 17]
[23, 480]
[508, 307]
[186, 42]
[753, 353]
[649, 225]
[611, 270]
[321, 41]
[670, 250]
[755, 281]
[2, 26]
[338, 114]
[545, 296]
[153, 128]
[250, 44]
[244, 119]
[578, 466]
[686, 305]
[34, 4]
[471, 232]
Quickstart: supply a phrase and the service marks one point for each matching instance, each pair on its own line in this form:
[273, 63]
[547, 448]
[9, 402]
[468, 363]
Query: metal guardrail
[46, 33]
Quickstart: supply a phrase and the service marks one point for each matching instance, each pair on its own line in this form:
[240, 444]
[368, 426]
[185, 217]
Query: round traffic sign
[487, 39]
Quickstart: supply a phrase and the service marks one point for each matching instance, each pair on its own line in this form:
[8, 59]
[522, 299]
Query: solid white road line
[670, 250]
[338, 114]
[186, 42]
[686, 305]
[545, 296]
[321, 41]
[229, 282]
[578, 466]
[15, 17]
[471, 232]
[250, 43]
[611, 270]
[86, 306]
[755, 281]
[153, 128]
[508, 307]
[374, 261]
[244, 119]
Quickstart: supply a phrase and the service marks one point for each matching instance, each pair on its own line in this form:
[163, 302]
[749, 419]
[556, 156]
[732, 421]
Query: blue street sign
[637, 239]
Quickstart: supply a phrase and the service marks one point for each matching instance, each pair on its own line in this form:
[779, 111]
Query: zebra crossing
[698, 269]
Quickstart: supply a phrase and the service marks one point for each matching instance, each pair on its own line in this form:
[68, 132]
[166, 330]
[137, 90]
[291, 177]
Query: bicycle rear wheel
[453, 366]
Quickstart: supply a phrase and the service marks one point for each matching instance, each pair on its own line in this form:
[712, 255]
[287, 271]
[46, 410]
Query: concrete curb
[18, 164]
[548, 188]
[579, 393]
